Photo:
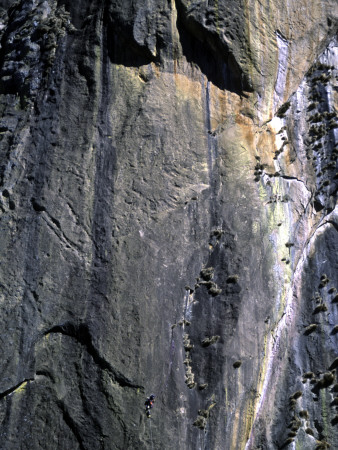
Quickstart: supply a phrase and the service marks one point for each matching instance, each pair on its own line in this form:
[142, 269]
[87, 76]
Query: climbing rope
[151, 435]
[172, 350]
[172, 342]
[171, 358]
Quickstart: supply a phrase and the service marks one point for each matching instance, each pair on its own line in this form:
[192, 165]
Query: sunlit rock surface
[168, 223]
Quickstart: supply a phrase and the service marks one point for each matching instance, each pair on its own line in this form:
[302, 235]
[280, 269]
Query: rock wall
[168, 224]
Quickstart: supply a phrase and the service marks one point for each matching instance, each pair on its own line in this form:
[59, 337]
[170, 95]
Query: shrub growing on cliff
[312, 106]
[292, 403]
[217, 233]
[287, 442]
[296, 395]
[320, 308]
[295, 424]
[214, 290]
[322, 445]
[304, 414]
[207, 273]
[209, 341]
[326, 381]
[283, 109]
[232, 279]
[310, 329]
[308, 375]
[200, 422]
[203, 413]
[324, 280]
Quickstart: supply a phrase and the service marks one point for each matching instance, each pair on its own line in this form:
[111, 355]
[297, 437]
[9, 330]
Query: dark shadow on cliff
[200, 47]
[121, 45]
[124, 51]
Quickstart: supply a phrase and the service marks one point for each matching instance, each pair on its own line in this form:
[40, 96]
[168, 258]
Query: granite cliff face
[168, 219]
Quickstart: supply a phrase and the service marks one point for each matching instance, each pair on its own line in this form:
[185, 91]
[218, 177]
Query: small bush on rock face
[190, 382]
[312, 106]
[203, 413]
[200, 422]
[232, 279]
[322, 445]
[283, 109]
[326, 381]
[304, 414]
[292, 403]
[237, 364]
[296, 395]
[308, 375]
[310, 329]
[324, 279]
[320, 308]
[295, 424]
[309, 431]
[217, 233]
[210, 340]
[207, 274]
[214, 290]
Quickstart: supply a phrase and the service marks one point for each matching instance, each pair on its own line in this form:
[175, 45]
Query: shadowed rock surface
[168, 223]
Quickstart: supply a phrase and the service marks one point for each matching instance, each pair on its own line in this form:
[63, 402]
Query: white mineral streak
[275, 341]
[283, 52]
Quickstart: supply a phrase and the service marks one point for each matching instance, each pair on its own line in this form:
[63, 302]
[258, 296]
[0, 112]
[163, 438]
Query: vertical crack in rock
[71, 424]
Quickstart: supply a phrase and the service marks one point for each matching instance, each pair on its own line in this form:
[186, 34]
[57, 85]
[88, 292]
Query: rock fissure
[17, 387]
[82, 335]
[54, 225]
[71, 424]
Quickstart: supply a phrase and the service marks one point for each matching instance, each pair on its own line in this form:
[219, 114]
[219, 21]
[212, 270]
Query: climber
[149, 404]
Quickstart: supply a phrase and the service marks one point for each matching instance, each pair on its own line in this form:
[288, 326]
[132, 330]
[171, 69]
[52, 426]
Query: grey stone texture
[168, 224]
